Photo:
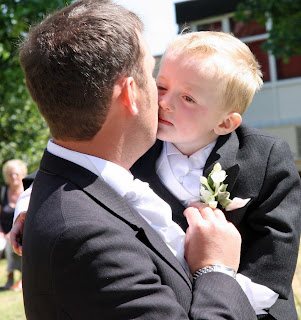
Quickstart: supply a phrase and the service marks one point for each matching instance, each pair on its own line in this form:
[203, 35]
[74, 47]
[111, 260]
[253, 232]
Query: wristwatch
[215, 268]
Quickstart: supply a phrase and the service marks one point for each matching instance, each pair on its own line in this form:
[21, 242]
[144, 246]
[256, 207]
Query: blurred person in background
[13, 173]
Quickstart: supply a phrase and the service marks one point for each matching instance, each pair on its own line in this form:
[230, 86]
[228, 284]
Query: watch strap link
[215, 268]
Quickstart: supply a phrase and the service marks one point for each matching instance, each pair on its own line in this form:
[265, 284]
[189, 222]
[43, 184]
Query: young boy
[205, 83]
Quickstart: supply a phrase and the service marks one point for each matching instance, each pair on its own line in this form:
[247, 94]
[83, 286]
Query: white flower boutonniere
[214, 191]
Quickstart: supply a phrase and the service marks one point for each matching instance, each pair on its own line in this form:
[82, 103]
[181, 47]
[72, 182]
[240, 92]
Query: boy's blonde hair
[234, 63]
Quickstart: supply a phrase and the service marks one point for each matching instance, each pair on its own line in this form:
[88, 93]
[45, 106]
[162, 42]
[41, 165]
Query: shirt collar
[200, 156]
[116, 176]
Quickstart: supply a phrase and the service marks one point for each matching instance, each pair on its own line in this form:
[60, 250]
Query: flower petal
[212, 204]
[237, 203]
[217, 167]
[206, 195]
[218, 177]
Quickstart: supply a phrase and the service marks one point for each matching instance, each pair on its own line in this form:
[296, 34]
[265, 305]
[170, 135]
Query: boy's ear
[229, 124]
[128, 95]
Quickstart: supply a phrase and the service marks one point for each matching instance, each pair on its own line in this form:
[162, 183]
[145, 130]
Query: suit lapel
[225, 152]
[102, 193]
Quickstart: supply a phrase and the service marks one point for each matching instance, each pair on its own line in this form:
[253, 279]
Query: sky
[159, 19]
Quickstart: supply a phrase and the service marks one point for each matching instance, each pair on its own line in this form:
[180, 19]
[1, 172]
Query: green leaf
[223, 198]
[23, 131]
[211, 182]
[285, 34]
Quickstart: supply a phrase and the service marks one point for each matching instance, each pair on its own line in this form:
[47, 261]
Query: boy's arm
[22, 203]
[275, 219]
[259, 296]
[16, 232]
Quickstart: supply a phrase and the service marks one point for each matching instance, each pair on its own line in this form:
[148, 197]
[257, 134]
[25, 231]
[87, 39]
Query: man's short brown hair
[72, 60]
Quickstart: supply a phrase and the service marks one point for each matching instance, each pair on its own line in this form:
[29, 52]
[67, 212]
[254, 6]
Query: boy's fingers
[14, 240]
[16, 234]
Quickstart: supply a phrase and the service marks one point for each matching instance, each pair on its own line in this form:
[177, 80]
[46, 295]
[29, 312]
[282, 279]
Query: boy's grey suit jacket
[261, 167]
[87, 254]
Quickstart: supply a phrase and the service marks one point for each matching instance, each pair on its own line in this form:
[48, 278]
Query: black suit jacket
[261, 167]
[87, 254]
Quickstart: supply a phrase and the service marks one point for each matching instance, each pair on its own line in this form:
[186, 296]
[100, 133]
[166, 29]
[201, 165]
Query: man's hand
[210, 239]
[16, 233]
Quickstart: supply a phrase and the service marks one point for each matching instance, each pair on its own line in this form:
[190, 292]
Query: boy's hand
[210, 239]
[16, 233]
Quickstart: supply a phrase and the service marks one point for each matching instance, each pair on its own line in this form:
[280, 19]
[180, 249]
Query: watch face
[224, 269]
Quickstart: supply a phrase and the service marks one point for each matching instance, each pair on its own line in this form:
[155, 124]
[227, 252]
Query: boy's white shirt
[181, 174]
[152, 208]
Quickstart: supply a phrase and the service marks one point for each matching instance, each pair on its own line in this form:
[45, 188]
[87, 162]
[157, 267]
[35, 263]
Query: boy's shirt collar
[181, 174]
[199, 156]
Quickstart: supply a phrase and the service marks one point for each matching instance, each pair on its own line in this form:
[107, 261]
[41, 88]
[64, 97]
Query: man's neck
[104, 148]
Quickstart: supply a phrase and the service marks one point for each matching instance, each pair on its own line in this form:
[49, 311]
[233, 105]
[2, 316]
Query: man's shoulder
[60, 205]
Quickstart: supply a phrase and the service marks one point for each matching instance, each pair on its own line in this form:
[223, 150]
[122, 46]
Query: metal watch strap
[215, 268]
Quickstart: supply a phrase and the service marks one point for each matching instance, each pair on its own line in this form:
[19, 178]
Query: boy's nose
[165, 105]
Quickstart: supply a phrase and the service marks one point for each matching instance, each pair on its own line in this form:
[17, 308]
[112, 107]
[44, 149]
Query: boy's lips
[165, 122]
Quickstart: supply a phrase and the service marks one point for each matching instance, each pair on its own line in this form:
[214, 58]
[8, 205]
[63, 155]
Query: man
[90, 249]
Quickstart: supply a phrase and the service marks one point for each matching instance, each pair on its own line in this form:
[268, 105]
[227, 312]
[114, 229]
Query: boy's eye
[188, 99]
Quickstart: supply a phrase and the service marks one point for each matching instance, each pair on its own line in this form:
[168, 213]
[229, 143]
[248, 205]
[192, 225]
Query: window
[254, 35]
[289, 70]
[213, 26]
[262, 57]
[242, 30]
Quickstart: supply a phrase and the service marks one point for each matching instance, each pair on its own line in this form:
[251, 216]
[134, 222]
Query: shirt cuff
[23, 202]
[260, 296]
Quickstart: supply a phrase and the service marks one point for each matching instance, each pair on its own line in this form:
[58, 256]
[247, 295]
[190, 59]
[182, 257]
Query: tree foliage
[285, 34]
[23, 132]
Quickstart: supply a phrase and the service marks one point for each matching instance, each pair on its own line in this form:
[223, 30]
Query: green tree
[23, 132]
[285, 34]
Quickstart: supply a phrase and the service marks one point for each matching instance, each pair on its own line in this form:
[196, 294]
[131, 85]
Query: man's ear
[230, 123]
[128, 95]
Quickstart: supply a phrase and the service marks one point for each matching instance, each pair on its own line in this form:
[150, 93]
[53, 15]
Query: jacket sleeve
[129, 285]
[275, 219]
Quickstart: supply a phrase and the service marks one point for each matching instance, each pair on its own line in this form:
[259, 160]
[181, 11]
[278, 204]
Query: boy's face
[190, 95]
